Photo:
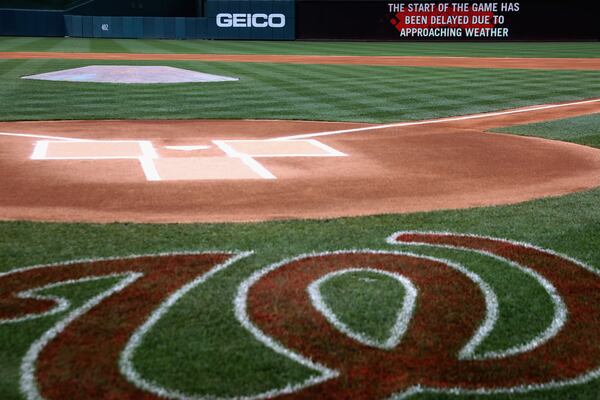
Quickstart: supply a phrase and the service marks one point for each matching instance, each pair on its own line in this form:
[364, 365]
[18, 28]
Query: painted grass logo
[448, 312]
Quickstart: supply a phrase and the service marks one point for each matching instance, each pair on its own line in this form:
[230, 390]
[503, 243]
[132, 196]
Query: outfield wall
[139, 8]
[31, 23]
[223, 19]
[253, 20]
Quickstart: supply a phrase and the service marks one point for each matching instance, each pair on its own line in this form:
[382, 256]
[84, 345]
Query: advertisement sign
[259, 20]
[446, 20]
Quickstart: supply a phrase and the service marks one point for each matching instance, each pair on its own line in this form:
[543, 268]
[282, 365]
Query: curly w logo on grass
[443, 313]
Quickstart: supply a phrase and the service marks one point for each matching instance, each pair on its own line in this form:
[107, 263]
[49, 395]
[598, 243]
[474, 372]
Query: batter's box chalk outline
[145, 155]
[248, 150]
[43, 150]
[277, 148]
[244, 151]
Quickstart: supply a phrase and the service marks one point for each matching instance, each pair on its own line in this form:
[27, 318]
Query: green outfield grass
[582, 130]
[199, 347]
[474, 49]
[280, 91]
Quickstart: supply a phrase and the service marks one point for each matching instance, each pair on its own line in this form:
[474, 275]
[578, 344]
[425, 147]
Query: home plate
[204, 168]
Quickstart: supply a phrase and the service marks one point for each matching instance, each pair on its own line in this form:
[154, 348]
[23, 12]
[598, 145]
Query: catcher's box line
[437, 121]
[254, 165]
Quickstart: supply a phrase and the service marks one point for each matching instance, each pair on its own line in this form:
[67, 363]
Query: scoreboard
[448, 20]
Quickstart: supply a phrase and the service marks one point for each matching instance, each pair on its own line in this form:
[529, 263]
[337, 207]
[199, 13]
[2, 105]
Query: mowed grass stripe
[11, 86]
[468, 49]
[582, 130]
[99, 46]
[33, 44]
[351, 93]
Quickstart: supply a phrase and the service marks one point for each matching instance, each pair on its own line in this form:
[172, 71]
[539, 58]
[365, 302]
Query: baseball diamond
[298, 199]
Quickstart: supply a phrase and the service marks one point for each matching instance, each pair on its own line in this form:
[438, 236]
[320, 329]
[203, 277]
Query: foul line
[436, 121]
[27, 135]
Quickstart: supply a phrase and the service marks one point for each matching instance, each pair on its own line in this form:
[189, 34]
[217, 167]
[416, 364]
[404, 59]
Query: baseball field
[343, 221]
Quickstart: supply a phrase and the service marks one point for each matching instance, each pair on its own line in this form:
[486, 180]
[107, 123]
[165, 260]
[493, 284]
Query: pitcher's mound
[129, 74]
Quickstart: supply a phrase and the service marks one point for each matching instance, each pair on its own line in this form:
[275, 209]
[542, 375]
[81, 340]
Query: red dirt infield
[421, 167]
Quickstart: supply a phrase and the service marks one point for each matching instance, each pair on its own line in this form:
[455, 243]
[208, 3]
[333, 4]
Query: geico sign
[225, 20]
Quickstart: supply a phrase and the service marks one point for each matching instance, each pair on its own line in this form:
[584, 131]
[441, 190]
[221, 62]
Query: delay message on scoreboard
[440, 20]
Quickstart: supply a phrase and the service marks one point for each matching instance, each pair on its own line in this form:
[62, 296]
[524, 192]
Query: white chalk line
[242, 316]
[467, 352]
[328, 151]
[403, 316]
[40, 150]
[62, 304]
[560, 309]
[149, 152]
[436, 121]
[254, 165]
[250, 159]
[126, 359]
[257, 167]
[28, 382]
[146, 158]
[148, 149]
[326, 373]
[240, 305]
[28, 135]
[149, 168]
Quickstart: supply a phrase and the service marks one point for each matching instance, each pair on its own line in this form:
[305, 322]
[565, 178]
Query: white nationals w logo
[448, 311]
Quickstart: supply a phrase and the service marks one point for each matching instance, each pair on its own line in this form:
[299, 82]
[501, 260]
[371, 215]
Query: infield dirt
[422, 167]
[396, 61]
